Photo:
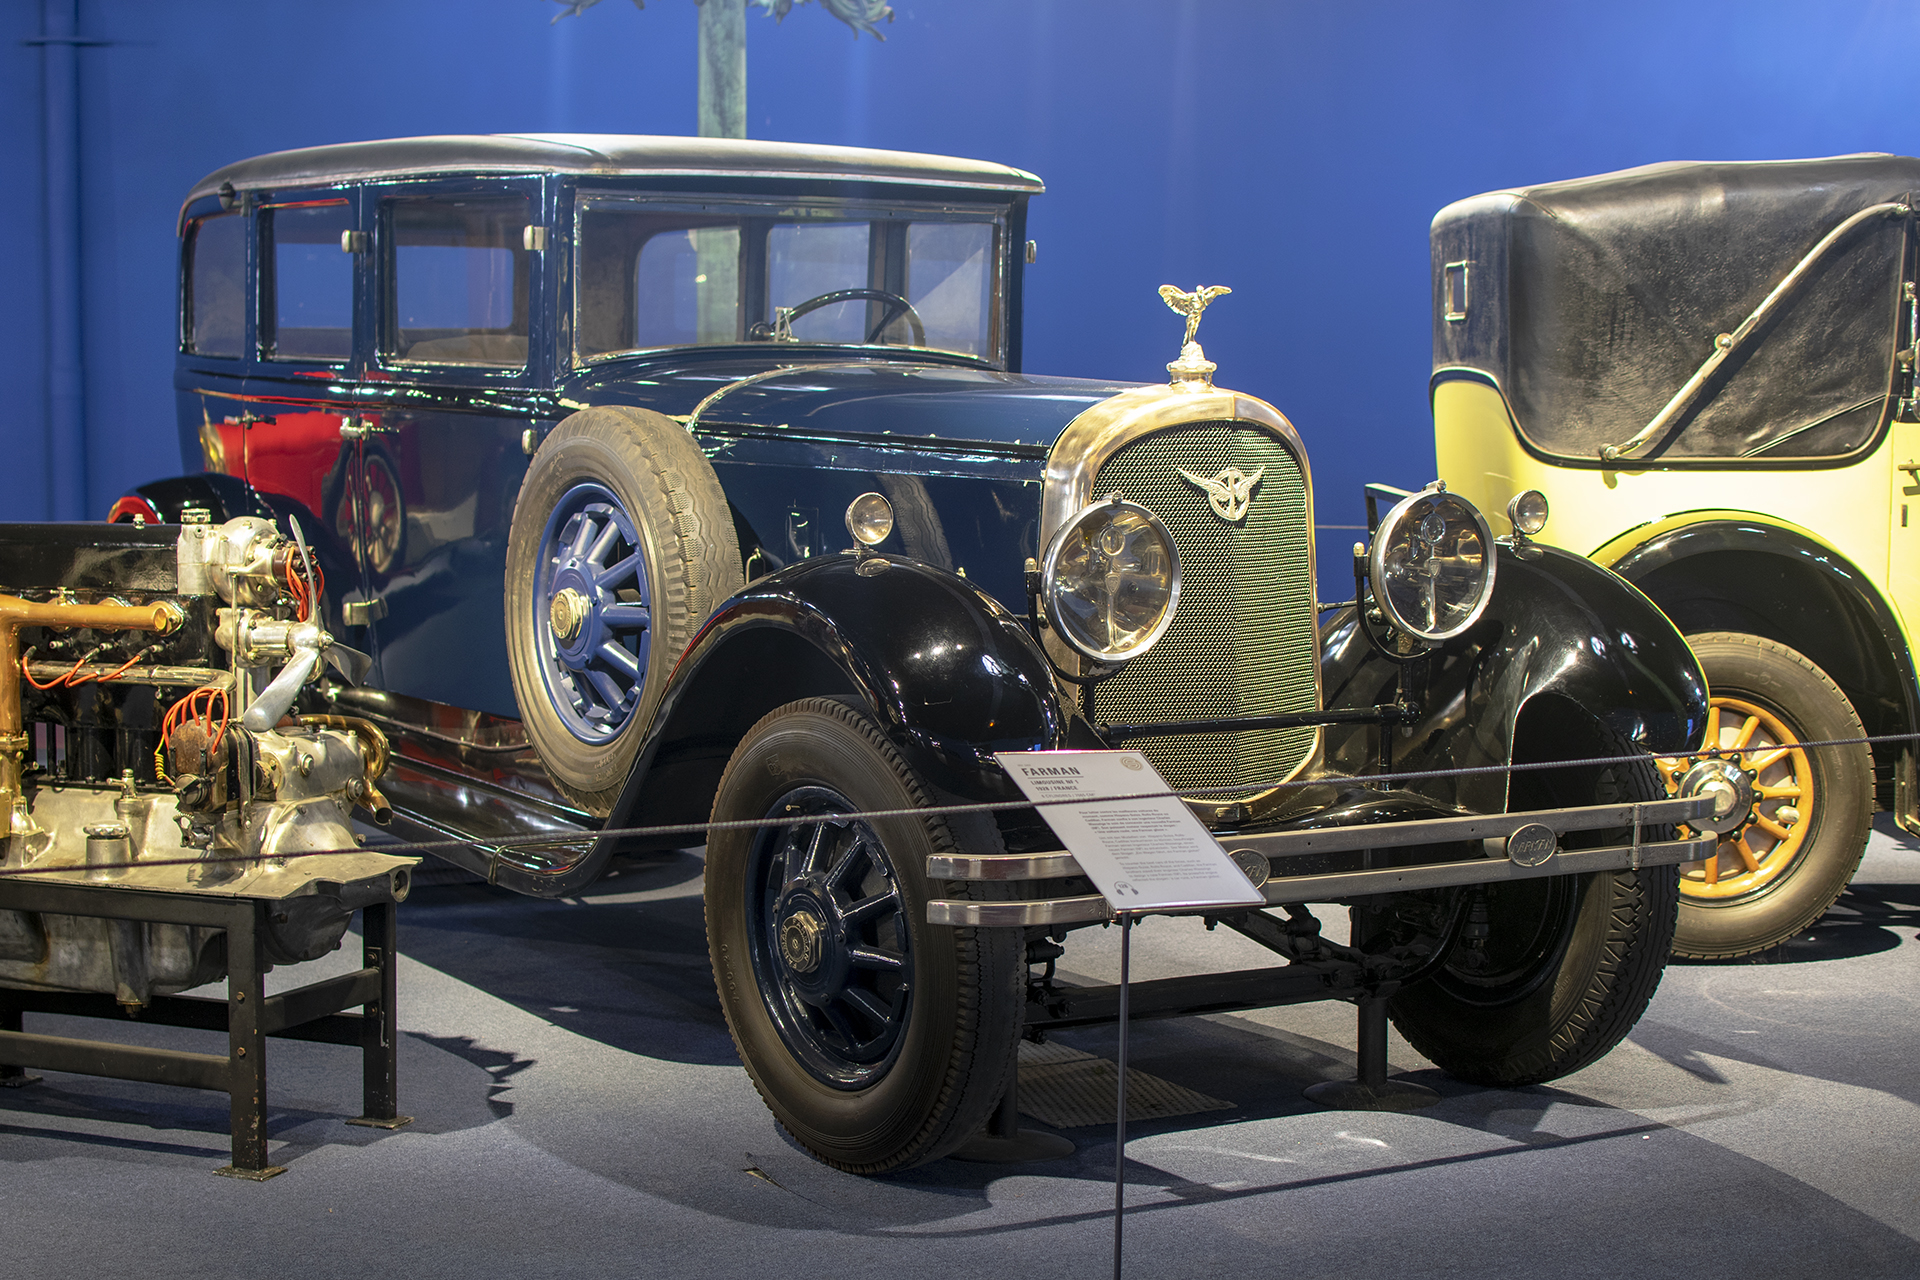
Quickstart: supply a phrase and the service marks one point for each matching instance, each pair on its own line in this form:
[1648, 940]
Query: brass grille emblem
[1229, 493]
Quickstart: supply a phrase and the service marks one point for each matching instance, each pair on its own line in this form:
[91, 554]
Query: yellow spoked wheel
[1802, 834]
[1759, 743]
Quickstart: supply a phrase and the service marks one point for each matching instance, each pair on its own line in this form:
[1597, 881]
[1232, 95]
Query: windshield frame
[771, 211]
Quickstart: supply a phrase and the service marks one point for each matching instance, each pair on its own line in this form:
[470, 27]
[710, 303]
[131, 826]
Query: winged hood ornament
[1193, 369]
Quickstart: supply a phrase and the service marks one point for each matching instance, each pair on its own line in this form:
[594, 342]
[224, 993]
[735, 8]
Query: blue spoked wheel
[593, 612]
[622, 544]
[877, 1039]
[832, 954]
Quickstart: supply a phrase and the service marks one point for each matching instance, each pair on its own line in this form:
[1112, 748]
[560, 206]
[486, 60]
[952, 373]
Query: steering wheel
[782, 330]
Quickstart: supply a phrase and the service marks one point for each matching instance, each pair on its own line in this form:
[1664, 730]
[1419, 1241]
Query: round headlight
[1111, 580]
[1433, 564]
[869, 519]
[1527, 512]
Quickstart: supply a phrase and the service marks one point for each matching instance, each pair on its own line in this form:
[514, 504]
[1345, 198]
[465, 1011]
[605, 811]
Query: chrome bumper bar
[1529, 856]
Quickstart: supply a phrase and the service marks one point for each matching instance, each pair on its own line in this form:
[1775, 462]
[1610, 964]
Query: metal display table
[313, 1012]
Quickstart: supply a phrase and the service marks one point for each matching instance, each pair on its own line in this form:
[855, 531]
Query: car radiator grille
[1244, 641]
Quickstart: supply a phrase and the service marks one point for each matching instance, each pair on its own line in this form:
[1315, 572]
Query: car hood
[861, 401]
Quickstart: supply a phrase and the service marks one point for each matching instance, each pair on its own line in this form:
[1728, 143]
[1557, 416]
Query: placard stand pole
[1120, 1116]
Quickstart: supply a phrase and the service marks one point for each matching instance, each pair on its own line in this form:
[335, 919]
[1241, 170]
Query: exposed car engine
[149, 740]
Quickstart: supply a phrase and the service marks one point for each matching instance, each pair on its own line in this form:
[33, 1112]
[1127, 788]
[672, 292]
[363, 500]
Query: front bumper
[1515, 848]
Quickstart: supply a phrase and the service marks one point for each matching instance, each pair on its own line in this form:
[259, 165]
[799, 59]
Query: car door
[458, 361]
[284, 434]
[1903, 520]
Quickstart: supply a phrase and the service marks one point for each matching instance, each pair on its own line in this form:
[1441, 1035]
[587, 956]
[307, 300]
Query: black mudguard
[1730, 574]
[947, 673]
[1558, 628]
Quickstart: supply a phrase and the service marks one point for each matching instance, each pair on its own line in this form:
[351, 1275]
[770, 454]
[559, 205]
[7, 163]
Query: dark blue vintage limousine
[670, 479]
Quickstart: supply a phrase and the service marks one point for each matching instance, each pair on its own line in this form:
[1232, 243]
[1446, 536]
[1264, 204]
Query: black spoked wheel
[831, 946]
[877, 1039]
[1568, 963]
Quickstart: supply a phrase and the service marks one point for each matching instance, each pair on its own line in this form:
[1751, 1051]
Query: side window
[805, 260]
[950, 282]
[686, 287]
[311, 285]
[459, 281]
[214, 310]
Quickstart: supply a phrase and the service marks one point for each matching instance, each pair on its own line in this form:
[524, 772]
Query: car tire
[1748, 899]
[1569, 962]
[878, 1040]
[622, 544]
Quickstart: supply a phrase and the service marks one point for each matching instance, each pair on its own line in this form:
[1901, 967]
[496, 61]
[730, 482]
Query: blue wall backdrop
[1295, 151]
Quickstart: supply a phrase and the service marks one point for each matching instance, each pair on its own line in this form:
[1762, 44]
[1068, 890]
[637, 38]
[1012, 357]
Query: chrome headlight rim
[1051, 580]
[1393, 528]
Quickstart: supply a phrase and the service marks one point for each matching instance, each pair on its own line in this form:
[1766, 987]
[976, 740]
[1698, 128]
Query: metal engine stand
[313, 1012]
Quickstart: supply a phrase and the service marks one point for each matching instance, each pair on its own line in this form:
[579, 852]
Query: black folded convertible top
[1591, 303]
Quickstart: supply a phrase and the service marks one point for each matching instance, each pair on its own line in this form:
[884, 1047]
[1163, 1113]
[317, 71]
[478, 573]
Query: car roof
[1764, 180]
[607, 155]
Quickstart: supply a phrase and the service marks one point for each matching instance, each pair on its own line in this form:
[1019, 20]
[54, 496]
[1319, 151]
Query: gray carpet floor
[581, 1113]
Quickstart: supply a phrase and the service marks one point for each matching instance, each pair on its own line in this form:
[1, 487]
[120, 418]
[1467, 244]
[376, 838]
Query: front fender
[946, 672]
[1558, 626]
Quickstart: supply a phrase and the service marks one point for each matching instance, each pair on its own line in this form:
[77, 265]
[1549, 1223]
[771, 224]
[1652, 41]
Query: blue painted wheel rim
[843, 1014]
[594, 676]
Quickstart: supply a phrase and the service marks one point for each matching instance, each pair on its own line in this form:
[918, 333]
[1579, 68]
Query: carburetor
[228, 790]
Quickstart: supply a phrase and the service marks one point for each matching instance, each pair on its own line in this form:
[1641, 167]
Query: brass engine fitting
[373, 749]
[163, 616]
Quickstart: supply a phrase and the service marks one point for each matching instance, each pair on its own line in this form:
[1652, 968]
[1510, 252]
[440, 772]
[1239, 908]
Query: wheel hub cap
[1731, 789]
[800, 938]
[568, 611]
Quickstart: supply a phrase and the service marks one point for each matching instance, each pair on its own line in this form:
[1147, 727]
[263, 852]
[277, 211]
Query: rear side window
[459, 281]
[312, 283]
[215, 306]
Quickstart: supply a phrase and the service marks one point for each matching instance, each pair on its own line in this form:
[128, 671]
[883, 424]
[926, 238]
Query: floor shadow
[1866, 920]
[623, 962]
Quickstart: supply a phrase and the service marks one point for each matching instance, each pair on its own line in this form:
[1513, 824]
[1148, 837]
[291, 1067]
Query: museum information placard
[1146, 853]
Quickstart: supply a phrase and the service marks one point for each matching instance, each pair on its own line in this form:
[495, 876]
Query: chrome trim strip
[1356, 884]
[993, 915]
[1002, 866]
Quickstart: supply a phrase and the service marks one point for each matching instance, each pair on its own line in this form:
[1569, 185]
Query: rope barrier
[956, 810]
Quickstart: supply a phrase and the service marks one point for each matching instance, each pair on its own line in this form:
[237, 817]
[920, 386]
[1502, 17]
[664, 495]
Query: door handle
[1911, 468]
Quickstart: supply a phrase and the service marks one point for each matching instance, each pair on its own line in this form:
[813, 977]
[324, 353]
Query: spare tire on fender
[622, 544]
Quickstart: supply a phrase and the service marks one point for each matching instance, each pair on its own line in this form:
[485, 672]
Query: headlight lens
[1112, 580]
[869, 519]
[1527, 512]
[1433, 565]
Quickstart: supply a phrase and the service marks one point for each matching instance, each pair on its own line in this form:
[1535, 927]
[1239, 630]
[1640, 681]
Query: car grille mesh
[1243, 642]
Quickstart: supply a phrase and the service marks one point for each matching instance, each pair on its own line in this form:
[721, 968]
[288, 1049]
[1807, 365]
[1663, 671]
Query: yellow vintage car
[1707, 369]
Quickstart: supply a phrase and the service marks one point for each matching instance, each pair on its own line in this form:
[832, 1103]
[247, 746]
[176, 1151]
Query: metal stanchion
[1120, 1110]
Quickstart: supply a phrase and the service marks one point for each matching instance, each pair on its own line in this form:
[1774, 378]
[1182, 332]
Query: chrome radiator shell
[1245, 642]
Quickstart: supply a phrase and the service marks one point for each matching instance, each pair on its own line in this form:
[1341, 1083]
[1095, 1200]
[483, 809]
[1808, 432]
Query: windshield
[715, 272]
